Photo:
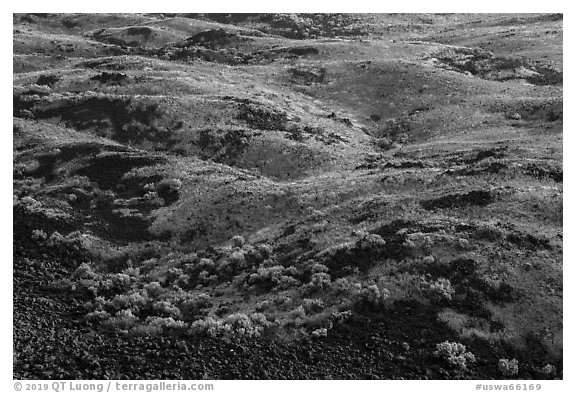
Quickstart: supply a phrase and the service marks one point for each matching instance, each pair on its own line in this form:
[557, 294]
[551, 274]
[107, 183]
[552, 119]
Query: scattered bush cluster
[232, 326]
[455, 354]
[508, 367]
[275, 277]
[165, 293]
[437, 291]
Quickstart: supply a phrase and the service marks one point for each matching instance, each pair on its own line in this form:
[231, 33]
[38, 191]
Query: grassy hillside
[349, 196]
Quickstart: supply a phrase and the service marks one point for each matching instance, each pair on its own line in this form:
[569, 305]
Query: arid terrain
[287, 196]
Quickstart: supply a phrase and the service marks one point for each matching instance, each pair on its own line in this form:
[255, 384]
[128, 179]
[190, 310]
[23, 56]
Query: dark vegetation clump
[548, 110]
[223, 146]
[307, 75]
[112, 78]
[144, 31]
[472, 198]
[120, 118]
[262, 118]
[47, 80]
[543, 171]
[213, 39]
[484, 64]
[528, 241]
[70, 23]
[361, 255]
[303, 50]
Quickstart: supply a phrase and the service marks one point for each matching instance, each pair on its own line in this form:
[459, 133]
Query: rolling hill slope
[349, 196]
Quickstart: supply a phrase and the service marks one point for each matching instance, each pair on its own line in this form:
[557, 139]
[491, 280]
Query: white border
[485, 6]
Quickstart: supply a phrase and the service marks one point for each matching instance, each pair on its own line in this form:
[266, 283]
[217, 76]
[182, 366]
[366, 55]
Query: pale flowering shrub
[39, 235]
[157, 325]
[191, 306]
[238, 241]
[124, 319]
[312, 306]
[233, 326]
[371, 295]
[97, 316]
[437, 291]
[371, 241]
[318, 282]
[455, 354]
[206, 263]
[341, 286]
[274, 276]
[167, 309]
[121, 280]
[298, 313]
[84, 271]
[265, 250]
[153, 289]
[341, 316]
[166, 322]
[319, 268]
[318, 333]
[133, 301]
[286, 282]
[549, 371]
[507, 367]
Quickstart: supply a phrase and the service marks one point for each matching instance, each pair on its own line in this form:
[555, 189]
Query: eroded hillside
[349, 196]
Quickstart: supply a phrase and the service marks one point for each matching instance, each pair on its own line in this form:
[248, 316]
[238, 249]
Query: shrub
[84, 271]
[263, 305]
[274, 276]
[265, 250]
[233, 326]
[437, 291]
[298, 312]
[312, 306]
[156, 325]
[238, 241]
[508, 367]
[191, 306]
[166, 308]
[341, 286]
[153, 289]
[133, 301]
[322, 332]
[146, 330]
[39, 235]
[167, 322]
[286, 282]
[124, 319]
[319, 268]
[237, 259]
[97, 316]
[121, 281]
[282, 301]
[370, 295]
[371, 241]
[341, 316]
[231, 264]
[206, 263]
[549, 371]
[169, 189]
[455, 354]
[252, 256]
[428, 259]
[318, 281]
